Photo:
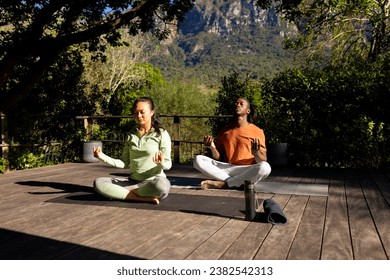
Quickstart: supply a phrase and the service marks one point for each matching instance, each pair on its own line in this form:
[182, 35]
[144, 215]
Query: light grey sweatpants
[233, 175]
[119, 188]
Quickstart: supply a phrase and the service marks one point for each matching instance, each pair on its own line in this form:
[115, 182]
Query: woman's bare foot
[211, 184]
[133, 196]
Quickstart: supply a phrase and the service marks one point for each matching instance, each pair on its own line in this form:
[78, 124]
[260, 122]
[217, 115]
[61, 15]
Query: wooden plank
[169, 237]
[365, 241]
[308, 241]
[380, 206]
[129, 237]
[40, 215]
[248, 243]
[71, 230]
[80, 231]
[189, 242]
[16, 175]
[278, 242]
[383, 183]
[380, 212]
[281, 174]
[128, 233]
[337, 242]
[217, 244]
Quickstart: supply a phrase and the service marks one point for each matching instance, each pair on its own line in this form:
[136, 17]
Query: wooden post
[4, 141]
[176, 141]
[88, 126]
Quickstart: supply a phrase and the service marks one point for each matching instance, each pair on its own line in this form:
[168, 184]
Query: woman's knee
[105, 187]
[99, 183]
[163, 186]
[158, 187]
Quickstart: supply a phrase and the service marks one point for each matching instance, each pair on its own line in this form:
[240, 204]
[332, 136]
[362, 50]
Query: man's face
[242, 107]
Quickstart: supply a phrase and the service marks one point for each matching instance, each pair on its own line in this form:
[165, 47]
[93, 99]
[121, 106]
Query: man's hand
[209, 141]
[255, 145]
[210, 145]
[256, 150]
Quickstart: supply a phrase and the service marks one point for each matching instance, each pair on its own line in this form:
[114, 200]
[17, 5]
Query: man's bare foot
[133, 196]
[211, 184]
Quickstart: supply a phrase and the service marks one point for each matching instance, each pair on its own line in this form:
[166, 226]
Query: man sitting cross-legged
[237, 154]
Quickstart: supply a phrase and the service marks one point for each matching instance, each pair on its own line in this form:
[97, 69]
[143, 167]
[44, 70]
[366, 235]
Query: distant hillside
[219, 36]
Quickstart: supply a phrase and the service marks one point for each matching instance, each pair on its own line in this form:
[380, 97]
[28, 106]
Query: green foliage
[121, 102]
[47, 114]
[35, 33]
[330, 117]
[178, 98]
[233, 87]
[333, 117]
[27, 161]
[3, 165]
[337, 31]
[175, 97]
[171, 97]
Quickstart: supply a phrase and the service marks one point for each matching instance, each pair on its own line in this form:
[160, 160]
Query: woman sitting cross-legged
[147, 153]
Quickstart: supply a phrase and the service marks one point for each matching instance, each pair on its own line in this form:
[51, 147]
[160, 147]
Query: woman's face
[143, 113]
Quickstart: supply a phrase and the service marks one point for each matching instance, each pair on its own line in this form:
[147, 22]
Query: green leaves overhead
[34, 33]
[338, 30]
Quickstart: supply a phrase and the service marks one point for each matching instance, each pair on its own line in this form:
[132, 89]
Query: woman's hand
[158, 157]
[97, 151]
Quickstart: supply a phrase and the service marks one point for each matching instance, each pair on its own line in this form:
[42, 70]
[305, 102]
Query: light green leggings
[119, 188]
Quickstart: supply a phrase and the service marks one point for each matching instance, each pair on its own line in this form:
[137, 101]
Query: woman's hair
[156, 124]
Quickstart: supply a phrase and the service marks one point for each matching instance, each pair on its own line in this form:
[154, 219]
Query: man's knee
[264, 169]
[197, 162]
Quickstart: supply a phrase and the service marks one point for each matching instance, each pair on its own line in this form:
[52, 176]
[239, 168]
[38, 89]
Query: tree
[120, 66]
[45, 115]
[349, 28]
[232, 88]
[33, 34]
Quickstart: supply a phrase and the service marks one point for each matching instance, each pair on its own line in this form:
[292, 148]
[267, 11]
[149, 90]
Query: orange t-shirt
[234, 144]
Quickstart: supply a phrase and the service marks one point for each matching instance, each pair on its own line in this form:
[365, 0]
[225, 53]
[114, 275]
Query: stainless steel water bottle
[250, 207]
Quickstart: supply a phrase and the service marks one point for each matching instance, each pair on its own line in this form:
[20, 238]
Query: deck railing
[184, 145]
[186, 132]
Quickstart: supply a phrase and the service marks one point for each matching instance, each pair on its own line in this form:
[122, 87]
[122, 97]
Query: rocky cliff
[223, 35]
[226, 17]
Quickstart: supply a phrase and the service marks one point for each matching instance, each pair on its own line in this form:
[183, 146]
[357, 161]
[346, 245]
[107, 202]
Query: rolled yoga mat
[273, 212]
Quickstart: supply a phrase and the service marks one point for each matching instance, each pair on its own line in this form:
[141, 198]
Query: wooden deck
[351, 223]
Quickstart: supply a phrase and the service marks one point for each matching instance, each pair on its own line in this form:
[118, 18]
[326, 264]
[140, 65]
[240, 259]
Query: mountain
[219, 36]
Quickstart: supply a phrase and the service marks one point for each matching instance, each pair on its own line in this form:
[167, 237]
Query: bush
[3, 165]
[331, 117]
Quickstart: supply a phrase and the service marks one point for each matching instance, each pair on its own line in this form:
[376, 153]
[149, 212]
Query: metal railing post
[176, 141]
[88, 126]
[4, 141]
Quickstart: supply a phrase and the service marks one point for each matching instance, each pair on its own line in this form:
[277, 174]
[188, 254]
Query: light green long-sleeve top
[138, 154]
